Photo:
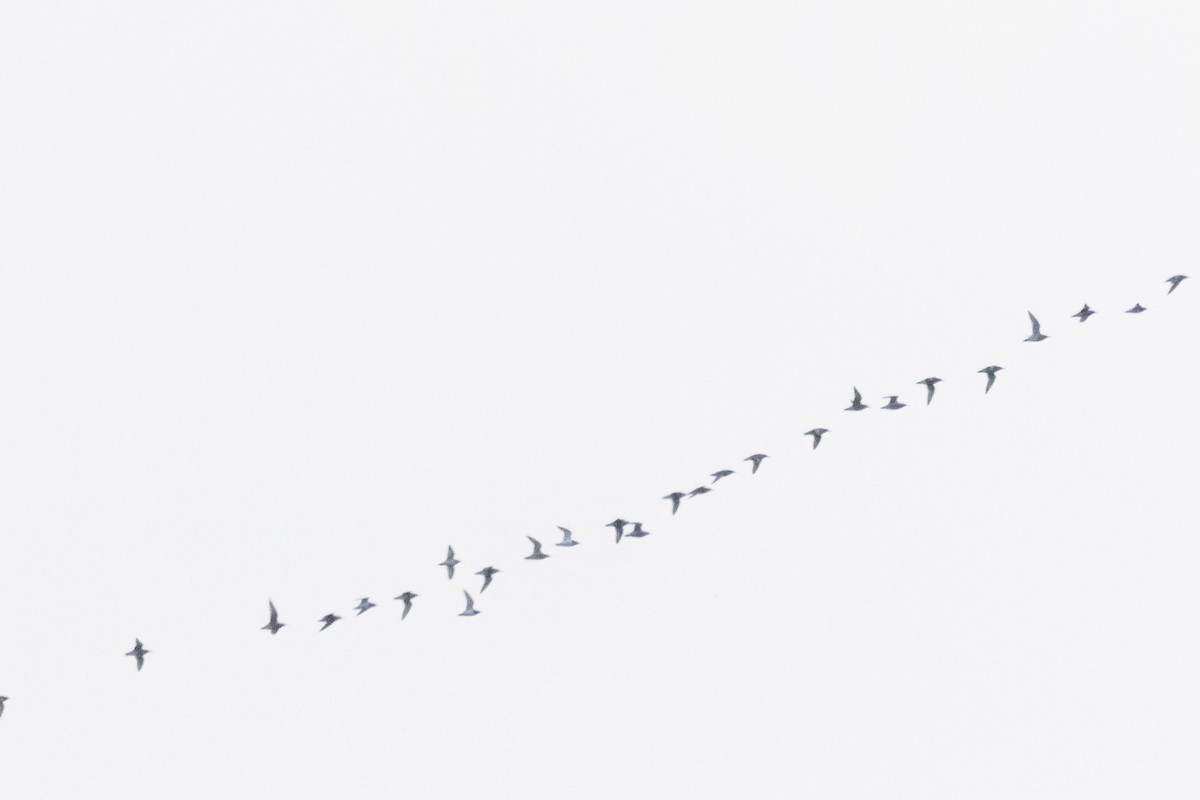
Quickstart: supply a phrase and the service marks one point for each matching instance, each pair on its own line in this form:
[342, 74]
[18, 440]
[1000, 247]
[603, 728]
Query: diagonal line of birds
[626, 529]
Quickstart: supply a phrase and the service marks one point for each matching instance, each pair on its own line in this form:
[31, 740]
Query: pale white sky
[293, 295]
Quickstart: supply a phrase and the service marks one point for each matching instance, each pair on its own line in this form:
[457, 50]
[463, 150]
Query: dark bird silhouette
[139, 652]
[894, 403]
[537, 554]
[699, 490]
[817, 433]
[328, 619]
[637, 531]
[2, 699]
[991, 373]
[274, 625]
[449, 562]
[487, 573]
[721, 473]
[1137, 309]
[1084, 313]
[364, 605]
[1175, 280]
[407, 597]
[929, 382]
[757, 459]
[857, 405]
[567, 541]
[1037, 334]
[470, 611]
[675, 497]
[618, 524]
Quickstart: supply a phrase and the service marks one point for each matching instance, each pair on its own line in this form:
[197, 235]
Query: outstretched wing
[1037, 328]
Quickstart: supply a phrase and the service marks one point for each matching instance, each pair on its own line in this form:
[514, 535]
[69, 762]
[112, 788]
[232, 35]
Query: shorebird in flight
[2, 699]
[699, 490]
[1084, 313]
[537, 554]
[1037, 334]
[449, 562]
[1175, 280]
[1137, 309]
[487, 573]
[817, 433]
[991, 373]
[857, 405]
[929, 382]
[407, 597]
[274, 625]
[138, 652]
[721, 473]
[567, 541]
[675, 497]
[470, 611]
[637, 531]
[757, 459]
[328, 619]
[618, 525]
[364, 605]
[894, 403]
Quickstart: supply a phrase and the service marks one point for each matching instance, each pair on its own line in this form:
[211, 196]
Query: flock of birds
[635, 529]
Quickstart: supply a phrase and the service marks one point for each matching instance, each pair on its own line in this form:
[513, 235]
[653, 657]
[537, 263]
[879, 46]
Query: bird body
[364, 605]
[675, 497]
[894, 403]
[139, 652]
[991, 373]
[449, 562]
[470, 610]
[407, 597]
[2, 699]
[857, 404]
[487, 573]
[817, 433]
[1137, 309]
[721, 473]
[757, 459]
[699, 490]
[618, 525]
[1175, 280]
[929, 382]
[637, 531]
[274, 624]
[567, 541]
[1037, 334]
[1083, 313]
[328, 619]
[537, 554]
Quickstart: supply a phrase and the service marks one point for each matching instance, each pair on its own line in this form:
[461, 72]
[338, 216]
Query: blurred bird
[2, 699]
[637, 531]
[699, 490]
[1037, 334]
[857, 405]
[470, 612]
[817, 433]
[929, 382]
[1175, 280]
[407, 597]
[991, 373]
[1084, 313]
[893, 403]
[449, 562]
[618, 525]
[675, 497]
[364, 605]
[1137, 309]
[138, 652]
[328, 619]
[487, 573]
[721, 473]
[537, 554]
[274, 625]
[567, 541]
[757, 459]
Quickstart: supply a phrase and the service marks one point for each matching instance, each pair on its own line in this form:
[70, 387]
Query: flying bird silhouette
[2, 699]
[699, 490]
[675, 497]
[618, 524]
[1084, 313]
[407, 597]
[1037, 334]
[894, 403]
[449, 562]
[364, 605]
[757, 459]
[328, 619]
[929, 382]
[721, 473]
[817, 433]
[991, 373]
[138, 652]
[857, 405]
[470, 612]
[1175, 280]
[567, 541]
[637, 531]
[487, 573]
[537, 554]
[274, 625]
[1137, 309]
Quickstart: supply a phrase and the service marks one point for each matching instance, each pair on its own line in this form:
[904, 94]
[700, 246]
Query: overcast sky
[295, 295]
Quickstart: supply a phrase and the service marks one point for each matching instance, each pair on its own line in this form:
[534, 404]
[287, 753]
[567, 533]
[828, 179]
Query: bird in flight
[857, 405]
[138, 652]
[567, 541]
[1137, 309]
[537, 554]
[721, 473]
[618, 525]
[1084, 313]
[364, 605]
[274, 625]
[991, 373]
[699, 490]
[637, 531]
[328, 619]
[2, 699]
[487, 573]
[470, 611]
[1037, 334]
[675, 497]
[757, 459]
[449, 562]
[817, 433]
[1175, 280]
[929, 382]
[407, 597]
[894, 403]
